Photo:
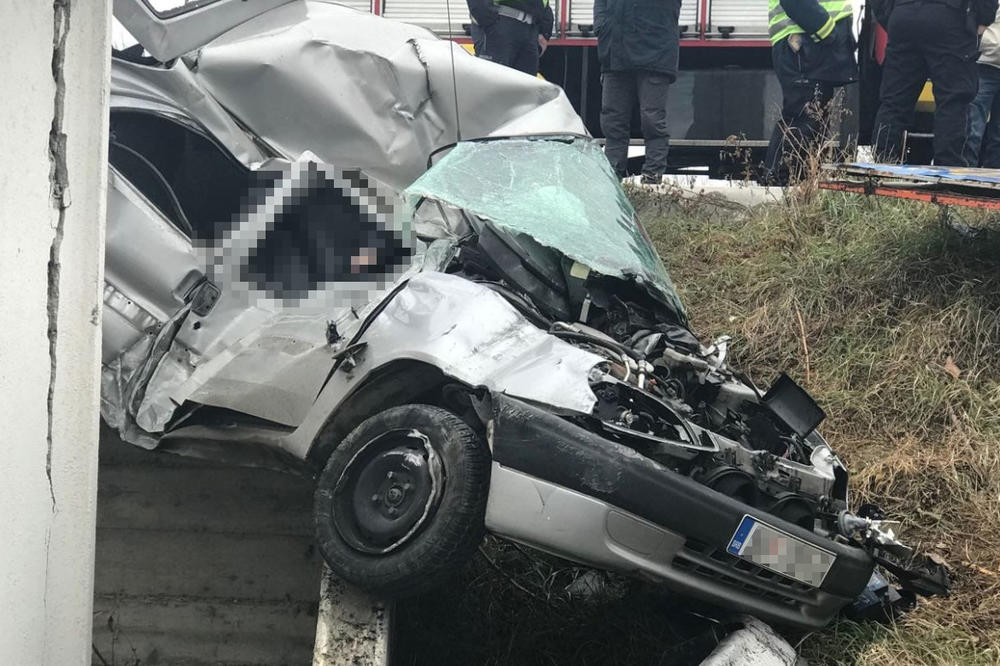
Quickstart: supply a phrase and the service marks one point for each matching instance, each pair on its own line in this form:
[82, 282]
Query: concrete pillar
[352, 627]
[53, 145]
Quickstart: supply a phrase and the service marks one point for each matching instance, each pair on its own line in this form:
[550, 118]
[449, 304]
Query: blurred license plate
[780, 552]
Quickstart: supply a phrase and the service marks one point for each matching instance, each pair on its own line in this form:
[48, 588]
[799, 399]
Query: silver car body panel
[175, 92]
[355, 89]
[574, 526]
[142, 289]
[368, 93]
[170, 34]
[473, 336]
[468, 332]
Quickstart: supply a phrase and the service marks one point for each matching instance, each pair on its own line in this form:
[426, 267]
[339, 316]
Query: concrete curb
[352, 628]
[756, 644]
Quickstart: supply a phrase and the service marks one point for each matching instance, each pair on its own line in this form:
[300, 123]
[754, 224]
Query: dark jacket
[485, 13]
[981, 12]
[831, 60]
[638, 35]
[807, 14]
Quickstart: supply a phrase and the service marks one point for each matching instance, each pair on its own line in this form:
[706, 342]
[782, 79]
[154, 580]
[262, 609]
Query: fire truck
[726, 98]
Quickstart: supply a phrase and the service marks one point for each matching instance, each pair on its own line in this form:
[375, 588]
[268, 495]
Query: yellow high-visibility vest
[780, 26]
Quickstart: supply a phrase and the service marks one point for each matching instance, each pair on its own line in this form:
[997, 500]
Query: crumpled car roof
[367, 92]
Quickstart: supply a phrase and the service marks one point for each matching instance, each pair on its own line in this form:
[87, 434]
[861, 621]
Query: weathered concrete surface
[352, 628]
[52, 191]
[756, 644]
[699, 187]
[199, 563]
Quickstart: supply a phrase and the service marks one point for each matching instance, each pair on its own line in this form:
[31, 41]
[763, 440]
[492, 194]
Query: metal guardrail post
[352, 627]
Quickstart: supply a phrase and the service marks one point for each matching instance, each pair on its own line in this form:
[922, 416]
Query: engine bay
[667, 396]
[663, 393]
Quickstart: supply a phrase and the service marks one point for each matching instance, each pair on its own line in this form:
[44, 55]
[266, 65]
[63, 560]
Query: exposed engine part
[880, 601]
[716, 353]
[919, 574]
[878, 533]
[732, 482]
[661, 428]
[638, 418]
[673, 400]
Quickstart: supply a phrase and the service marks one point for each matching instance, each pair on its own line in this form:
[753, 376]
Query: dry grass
[889, 306]
[893, 306]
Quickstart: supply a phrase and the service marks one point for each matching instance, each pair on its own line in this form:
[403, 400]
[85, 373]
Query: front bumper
[568, 491]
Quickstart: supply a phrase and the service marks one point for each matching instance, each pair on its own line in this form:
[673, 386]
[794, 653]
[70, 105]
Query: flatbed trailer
[945, 186]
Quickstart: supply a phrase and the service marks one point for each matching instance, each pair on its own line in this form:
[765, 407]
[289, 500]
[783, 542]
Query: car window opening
[183, 173]
[325, 237]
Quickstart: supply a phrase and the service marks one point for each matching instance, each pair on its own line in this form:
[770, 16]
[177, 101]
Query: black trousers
[927, 39]
[619, 93]
[804, 119]
[804, 115]
[509, 42]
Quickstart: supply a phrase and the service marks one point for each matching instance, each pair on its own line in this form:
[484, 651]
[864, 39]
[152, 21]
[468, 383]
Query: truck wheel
[401, 502]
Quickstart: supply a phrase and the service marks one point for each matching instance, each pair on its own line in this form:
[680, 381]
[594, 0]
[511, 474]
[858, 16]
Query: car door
[170, 28]
[151, 267]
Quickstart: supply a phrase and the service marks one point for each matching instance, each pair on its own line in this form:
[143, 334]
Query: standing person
[514, 33]
[935, 38]
[638, 46]
[812, 48]
[983, 145]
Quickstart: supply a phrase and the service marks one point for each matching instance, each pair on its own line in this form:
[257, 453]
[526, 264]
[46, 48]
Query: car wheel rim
[388, 491]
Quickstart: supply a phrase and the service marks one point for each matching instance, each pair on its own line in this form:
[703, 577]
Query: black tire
[451, 522]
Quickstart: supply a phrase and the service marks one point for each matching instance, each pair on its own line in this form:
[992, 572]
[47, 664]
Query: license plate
[780, 552]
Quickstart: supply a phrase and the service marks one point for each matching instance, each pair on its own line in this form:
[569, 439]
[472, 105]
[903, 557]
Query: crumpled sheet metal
[362, 91]
[175, 90]
[256, 352]
[115, 377]
[472, 335]
[136, 384]
[560, 191]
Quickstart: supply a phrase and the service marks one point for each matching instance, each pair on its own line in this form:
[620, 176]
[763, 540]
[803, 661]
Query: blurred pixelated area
[309, 234]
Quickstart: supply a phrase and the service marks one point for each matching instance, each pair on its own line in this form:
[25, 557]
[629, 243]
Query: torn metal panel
[115, 376]
[134, 386]
[475, 336]
[175, 92]
[472, 335]
[360, 90]
[267, 374]
[172, 33]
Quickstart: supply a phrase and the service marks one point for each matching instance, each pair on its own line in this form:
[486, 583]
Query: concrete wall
[52, 181]
[201, 563]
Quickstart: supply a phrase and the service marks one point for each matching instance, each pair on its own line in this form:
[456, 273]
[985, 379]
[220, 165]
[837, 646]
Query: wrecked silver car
[303, 264]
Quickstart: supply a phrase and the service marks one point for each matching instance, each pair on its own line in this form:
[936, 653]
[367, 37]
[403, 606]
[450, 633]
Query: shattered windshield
[560, 191]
